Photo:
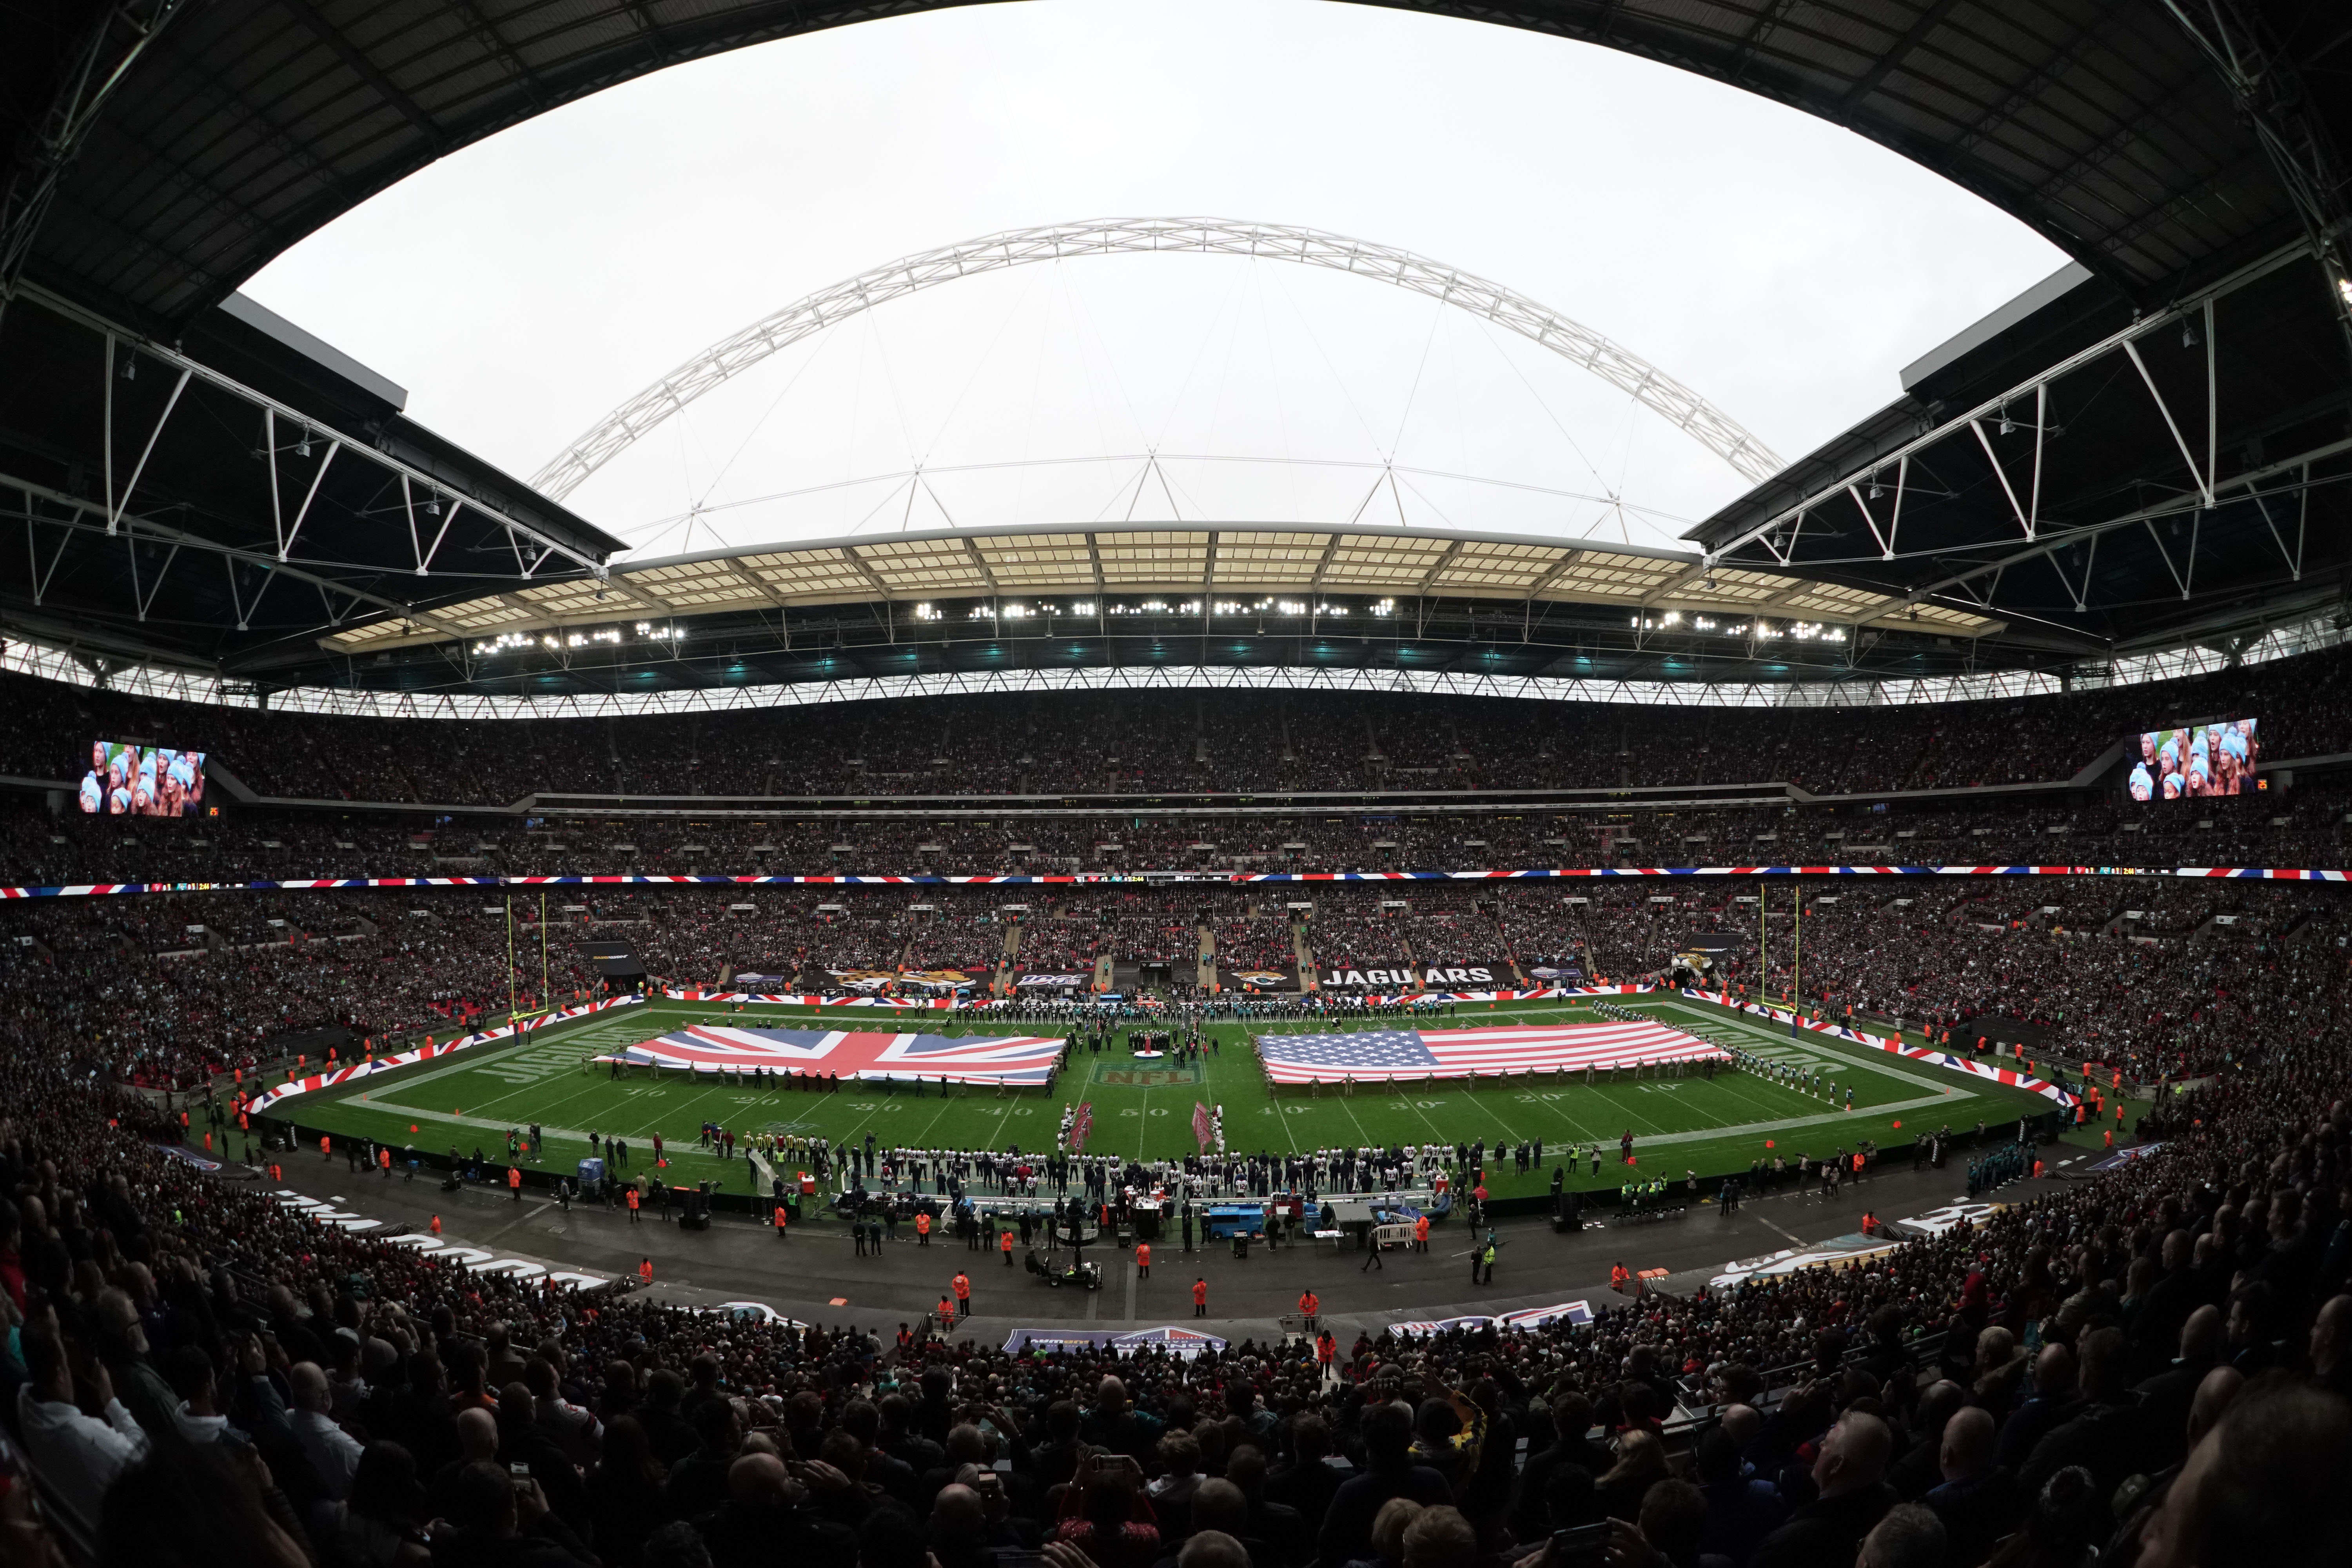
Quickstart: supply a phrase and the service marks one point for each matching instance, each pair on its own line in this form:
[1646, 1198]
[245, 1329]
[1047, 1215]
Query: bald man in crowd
[1852, 1496]
[1979, 1503]
[1909, 1536]
[2164, 1399]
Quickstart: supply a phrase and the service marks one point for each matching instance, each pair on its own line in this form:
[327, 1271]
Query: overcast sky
[1776, 264]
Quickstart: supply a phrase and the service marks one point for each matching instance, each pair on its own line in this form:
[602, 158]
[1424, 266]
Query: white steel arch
[1572, 341]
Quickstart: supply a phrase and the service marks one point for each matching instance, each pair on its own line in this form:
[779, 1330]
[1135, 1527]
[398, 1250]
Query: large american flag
[1455, 1053]
[852, 1054]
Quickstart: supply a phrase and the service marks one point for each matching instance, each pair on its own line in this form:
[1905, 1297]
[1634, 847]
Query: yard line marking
[1351, 1109]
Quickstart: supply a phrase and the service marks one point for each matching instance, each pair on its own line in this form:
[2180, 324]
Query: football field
[467, 1101]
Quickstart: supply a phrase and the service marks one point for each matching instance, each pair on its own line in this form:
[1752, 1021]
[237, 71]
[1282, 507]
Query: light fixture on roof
[432, 506]
[1875, 491]
[2187, 332]
[2006, 427]
[302, 447]
[130, 367]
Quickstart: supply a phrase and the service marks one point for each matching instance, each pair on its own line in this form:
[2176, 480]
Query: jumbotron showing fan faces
[2215, 758]
[126, 778]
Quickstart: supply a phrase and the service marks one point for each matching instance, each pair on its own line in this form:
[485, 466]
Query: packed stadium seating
[2229, 1244]
[2197, 1290]
[2304, 828]
[2153, 974]
[1144, 742]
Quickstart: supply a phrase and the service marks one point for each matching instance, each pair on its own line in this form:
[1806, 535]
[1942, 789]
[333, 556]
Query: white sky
[1778, 265]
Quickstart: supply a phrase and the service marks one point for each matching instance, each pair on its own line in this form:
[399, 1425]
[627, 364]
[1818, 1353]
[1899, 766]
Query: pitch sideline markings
[595, 1031]
[1826, 1047]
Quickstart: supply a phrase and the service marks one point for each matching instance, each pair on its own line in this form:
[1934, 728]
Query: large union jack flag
[852, 1053]
[1459, 1053]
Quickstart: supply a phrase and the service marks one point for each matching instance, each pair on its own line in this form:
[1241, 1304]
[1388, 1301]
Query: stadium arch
[1680, 406]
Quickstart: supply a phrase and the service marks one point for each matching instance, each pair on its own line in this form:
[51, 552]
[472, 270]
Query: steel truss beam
[2197, 307]
[2275, 101]
[116, 339]
[98, 68]
[135, 528]
[2246, 486]
[1580, 344]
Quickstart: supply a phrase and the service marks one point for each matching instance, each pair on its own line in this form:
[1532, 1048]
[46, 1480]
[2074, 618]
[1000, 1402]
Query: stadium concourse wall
[778, 999]
[1157, 879]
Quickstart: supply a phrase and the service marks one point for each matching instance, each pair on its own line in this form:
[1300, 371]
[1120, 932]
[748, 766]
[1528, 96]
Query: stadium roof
[1201, 565]
[1236, 595]
[246, 124]
[2150, 448]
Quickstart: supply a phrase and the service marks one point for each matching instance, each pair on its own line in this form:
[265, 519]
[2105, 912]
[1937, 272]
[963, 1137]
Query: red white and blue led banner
[426, 1052]
[1018, 1059]
[1379, 1055]
[1155, 878]
[1933, 1058]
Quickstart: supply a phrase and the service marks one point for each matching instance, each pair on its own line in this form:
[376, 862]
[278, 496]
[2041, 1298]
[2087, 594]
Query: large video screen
[2197, 760]
[125, 779]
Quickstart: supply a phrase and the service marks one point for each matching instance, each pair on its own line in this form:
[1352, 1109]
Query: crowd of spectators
[2305, 828]
[1255, 939]
[2151, 1363]
[1144, 742]
[2158, 976]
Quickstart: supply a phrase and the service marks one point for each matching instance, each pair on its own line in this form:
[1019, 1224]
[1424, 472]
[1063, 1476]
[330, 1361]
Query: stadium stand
[1006, 746]
[2194, 1291]
[2147, 1361]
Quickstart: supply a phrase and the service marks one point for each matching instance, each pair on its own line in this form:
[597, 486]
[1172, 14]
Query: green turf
[1678, 1124]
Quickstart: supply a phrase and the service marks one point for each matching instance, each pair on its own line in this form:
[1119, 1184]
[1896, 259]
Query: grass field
[470, 1101]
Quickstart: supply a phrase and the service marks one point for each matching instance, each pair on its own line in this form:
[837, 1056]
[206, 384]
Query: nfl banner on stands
[1576, 1312]
[1398, 974]
[1185, 1343]
[1055, 981]
[937, 981]
[1566, 972]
